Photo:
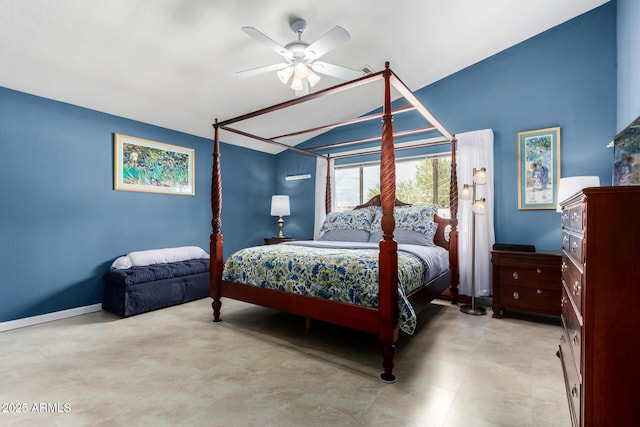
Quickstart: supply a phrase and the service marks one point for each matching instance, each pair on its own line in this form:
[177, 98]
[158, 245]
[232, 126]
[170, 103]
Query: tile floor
[258, 368]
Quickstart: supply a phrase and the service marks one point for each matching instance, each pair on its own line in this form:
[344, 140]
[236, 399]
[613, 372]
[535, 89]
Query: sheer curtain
[321, 189]
[475, 150]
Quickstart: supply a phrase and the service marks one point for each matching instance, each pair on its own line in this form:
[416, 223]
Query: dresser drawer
[572, 384]
[572, 330]
[524, 298]
[565, 241]
[572, 280]
[575, 217]
[564, 217]
[575, 248]
[572, 245]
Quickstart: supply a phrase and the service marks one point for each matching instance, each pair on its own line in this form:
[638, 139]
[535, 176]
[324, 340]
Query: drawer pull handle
[563, 300]
[574, 391]
[574, 216]
[564, 266]
[576, 338]
[562, 339]
[565, 239]
[516, 295]
[577, 288]
[539, 291]
[515, 275]
[538, 271]
[574, 246]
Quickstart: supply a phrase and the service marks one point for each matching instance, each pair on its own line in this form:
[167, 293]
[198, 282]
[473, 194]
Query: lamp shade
[280, 206]
[570, 185]
[285, 74]
[479, 207]
[480, 176]
[313, 78]
[465, 193]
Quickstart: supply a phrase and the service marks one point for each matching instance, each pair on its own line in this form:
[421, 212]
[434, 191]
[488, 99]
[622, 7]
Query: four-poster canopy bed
[386, 302]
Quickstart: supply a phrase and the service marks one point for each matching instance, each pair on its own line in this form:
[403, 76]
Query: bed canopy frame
[384, 320]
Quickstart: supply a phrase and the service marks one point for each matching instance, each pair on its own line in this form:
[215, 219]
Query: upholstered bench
[148, 280]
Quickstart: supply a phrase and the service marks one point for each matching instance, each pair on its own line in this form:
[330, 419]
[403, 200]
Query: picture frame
[151, 166]
[626, 155]
[538, 168]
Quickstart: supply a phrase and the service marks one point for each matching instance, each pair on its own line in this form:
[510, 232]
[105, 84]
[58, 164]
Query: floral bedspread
[336, 271]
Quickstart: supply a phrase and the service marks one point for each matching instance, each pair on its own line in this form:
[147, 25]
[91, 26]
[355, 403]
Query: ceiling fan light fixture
[301, 57]
[285, 74]
[300, 70]
[313, 78]
[296, 84]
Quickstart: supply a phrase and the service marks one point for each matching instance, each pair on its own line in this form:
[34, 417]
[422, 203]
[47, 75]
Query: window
[419, 181]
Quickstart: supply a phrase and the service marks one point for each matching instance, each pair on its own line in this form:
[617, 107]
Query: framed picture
[143, 165]
[626, 155]
[538, 168]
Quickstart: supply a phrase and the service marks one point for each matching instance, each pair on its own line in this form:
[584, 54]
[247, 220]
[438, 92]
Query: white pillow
[121, 263]
[159, 256]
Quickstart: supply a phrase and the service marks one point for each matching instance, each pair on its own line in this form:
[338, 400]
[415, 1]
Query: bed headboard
[376, 201]
[442, 235]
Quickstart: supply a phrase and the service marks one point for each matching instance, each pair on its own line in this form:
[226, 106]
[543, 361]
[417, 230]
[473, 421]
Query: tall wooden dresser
[599, 345]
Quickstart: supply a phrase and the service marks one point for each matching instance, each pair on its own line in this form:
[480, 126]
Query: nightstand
[277, 240]
[526, 281]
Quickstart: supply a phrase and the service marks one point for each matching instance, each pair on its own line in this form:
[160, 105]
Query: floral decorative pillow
[348, 220]
[415, 218]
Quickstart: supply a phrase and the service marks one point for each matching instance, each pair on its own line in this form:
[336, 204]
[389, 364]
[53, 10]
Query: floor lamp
[477, 208]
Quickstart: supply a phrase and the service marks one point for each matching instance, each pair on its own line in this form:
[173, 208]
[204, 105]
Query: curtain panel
[475, 150]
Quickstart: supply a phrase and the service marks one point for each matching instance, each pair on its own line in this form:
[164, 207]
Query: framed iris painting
[538, 168]
[144, 165]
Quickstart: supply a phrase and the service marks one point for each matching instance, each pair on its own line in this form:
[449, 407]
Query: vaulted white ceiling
[172, 63]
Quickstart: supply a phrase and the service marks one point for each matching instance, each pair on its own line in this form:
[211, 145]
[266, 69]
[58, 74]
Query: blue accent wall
[563, 77]
[61, 222]
[248, 178]
[628, 62]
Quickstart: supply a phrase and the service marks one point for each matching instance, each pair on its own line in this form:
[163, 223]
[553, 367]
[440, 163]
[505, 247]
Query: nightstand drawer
[524, 298]
[542, 277]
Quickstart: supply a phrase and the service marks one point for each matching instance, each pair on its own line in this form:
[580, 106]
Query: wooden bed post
[453, 235]
[327, 193]
[388, 258]
[215, 243]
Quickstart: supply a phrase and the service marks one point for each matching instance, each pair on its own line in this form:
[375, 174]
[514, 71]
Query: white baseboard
[49, 317]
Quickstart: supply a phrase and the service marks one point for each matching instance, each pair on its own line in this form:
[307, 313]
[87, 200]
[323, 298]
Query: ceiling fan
[301, 58]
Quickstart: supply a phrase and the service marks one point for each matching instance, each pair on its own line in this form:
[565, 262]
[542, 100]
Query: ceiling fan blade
[328, 41]
[259, 70]
[343, 73]
[256, 34]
